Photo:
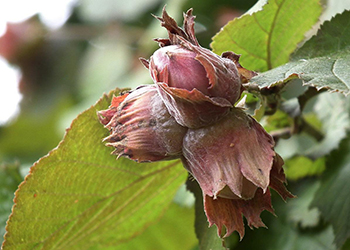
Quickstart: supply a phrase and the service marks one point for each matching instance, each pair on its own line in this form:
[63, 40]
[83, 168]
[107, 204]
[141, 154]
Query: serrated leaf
[323, 61]
[266, 38]
[332, 198]
[79, 196]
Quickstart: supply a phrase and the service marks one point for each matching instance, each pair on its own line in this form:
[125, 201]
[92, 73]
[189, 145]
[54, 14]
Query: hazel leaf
[266, 38]
[301, 166]
[323, 62]
[80, 197]
[157, 235]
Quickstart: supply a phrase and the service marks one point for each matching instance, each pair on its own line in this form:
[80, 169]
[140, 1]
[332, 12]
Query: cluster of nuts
[189, 113]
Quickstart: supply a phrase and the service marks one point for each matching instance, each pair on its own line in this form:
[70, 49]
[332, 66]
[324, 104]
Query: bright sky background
[53, 13]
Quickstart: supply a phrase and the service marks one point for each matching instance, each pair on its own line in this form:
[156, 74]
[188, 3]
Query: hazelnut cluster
[189, 113]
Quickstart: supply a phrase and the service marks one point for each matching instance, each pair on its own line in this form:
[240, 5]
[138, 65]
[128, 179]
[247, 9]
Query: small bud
[141, 127]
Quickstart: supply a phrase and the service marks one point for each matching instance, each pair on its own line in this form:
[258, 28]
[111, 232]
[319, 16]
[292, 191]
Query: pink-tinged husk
[230, 212]
[105, 116]
[244, 73]
[187, 66]
[177, 35]
[141, 127]
[189, 113]
[193, 109]
[178, 67]
[182, 64]
[222, 73]
[278, 178]
[174, 31]
[235, 152]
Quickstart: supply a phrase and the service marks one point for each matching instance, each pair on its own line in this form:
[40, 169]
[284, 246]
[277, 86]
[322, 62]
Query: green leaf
[79, 196]
[162, 234]
[10, 177]
[332, 198]
[278, 120]
[323, 61]
[301, 166]
[266, 38]
[346, 246]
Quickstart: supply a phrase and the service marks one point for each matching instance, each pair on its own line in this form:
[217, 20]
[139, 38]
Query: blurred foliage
[67, 70]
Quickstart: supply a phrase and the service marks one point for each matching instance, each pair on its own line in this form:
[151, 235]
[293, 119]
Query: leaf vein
[81, 232]
[260, 26]
[335, 74]
[99, 223]
[76, 218]
[99, 166]
[269, 37]
[242, 47]
[145, 202]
